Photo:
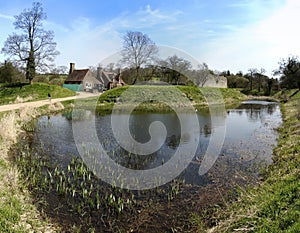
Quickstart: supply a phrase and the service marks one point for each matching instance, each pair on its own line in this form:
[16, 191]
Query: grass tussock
[274, 205]
[8, 128]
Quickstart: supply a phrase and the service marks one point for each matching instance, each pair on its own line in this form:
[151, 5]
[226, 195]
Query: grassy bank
[194, 94]
[271, 207]
[17, 211]
[153, 96]
[24, 92]
[274, 205]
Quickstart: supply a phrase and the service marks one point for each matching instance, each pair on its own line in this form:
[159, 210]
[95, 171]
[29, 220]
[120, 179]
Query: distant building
[86, 80]
[216, 81]
[110, 80]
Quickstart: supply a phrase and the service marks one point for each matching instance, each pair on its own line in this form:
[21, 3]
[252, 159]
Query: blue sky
[228, 35]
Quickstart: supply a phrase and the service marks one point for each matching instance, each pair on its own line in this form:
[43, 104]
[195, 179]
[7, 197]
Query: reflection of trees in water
[173, 141]
[253, 114]
[131, 160]
[206, 130]
[271, 109]
[256, 112]
[135, 161]
[139, 128]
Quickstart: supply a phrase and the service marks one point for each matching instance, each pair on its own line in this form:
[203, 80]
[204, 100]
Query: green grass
[36, 91]
[274, 205]
[10, 212]
[149, 98]
[168, 93]
[17, 213]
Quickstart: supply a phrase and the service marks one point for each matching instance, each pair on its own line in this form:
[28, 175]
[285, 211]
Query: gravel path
[40, 103]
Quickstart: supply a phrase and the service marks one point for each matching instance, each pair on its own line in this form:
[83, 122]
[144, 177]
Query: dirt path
[40, 103]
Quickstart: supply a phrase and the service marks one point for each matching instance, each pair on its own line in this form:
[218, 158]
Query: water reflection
[256, 110]
[249, 139]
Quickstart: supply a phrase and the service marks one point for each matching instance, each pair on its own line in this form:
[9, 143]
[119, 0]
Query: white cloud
[258, 45]
[223, 47]
[9, 17]
[147, 17]
[88, 45]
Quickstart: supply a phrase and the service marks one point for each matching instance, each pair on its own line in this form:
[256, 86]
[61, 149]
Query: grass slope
[194, 94]
[273, 206]
[17, 213]
[36, 91]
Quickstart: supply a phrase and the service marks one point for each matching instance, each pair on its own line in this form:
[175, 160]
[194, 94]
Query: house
[110, 79]
[86, 80]
[81, 80]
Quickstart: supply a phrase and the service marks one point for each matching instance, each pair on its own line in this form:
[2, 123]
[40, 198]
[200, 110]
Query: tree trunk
[137, 69]
[30, 72]
[259, 83]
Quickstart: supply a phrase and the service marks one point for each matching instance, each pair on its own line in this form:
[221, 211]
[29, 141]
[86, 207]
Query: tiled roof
[105, 77]
[77, 75]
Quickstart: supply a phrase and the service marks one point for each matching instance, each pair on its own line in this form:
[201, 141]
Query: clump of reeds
[9, 127]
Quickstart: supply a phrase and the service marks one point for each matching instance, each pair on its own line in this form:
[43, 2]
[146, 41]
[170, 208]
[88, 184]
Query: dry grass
[56, 107]
[25, 99]
[8, 128]
[17, 213]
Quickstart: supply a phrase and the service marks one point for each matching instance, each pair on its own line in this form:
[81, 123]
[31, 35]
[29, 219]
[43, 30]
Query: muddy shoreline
[152, 210]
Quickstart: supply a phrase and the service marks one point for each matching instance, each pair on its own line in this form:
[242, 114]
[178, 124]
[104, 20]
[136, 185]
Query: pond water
[249, 139]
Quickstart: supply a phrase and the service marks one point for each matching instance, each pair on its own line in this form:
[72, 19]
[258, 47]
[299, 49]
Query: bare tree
[110, 67]
[260, 74]
[178, 66]
[202, 74]
[252, 72]
[138, 50]
[35, 47]
[59, 70]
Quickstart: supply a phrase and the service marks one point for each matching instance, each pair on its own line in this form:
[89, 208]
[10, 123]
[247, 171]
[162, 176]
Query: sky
[233, 35]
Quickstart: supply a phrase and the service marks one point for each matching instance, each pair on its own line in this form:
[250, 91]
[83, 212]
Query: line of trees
[10, 74]
[289, 72]
[33, 50]
[253, 82]
[140, 55]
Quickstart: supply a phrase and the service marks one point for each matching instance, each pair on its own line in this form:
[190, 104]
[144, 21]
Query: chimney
[72, 67]
[120, 75]
[99, 71]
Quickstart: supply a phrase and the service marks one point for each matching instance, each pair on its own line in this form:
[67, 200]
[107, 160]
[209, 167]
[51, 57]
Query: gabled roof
[119, 79]
[105, 77]
[77, 75]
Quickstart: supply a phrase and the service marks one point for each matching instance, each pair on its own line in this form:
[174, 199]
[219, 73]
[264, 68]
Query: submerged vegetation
[73, 198]
[87, 203]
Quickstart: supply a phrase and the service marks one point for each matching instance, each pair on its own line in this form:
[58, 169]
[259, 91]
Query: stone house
[86, 80]
[83, 79]
[110, 80]
[216, 81]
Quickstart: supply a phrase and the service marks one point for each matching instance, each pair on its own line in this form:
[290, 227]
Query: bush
[235, 81]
